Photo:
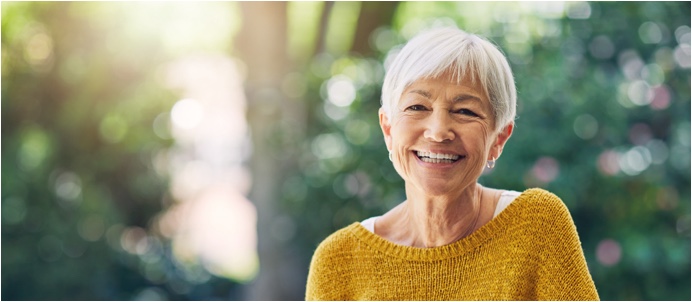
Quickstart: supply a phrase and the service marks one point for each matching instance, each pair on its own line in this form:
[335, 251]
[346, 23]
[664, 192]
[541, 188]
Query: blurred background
[201, 151]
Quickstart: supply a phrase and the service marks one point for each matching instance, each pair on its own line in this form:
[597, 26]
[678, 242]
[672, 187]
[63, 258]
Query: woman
[448, 107]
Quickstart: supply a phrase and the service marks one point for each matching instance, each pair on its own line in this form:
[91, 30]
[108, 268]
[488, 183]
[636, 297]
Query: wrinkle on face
[440, 120]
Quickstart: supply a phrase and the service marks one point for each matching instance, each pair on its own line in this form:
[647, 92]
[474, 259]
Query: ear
[386, 128]
[502, 137]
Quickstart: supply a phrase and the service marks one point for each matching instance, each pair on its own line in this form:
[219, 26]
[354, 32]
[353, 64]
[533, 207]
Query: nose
[439, 127]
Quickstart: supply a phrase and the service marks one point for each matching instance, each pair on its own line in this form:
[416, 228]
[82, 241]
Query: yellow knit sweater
[530, 251]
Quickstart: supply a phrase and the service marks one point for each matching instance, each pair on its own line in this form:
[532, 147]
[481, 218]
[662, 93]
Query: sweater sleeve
[563, 273]
[318, 280]
[326, 275]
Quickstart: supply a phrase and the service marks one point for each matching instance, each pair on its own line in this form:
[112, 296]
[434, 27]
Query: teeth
[436, 156]
[436, 160]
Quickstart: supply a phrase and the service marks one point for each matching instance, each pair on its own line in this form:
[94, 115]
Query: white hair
[433, 52]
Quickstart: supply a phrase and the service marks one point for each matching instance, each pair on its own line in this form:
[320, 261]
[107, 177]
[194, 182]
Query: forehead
[447, 83]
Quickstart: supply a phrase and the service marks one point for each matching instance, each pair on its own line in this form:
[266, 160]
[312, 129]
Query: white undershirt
[505, 199]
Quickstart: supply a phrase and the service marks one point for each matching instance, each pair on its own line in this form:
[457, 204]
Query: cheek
[485, 134]
[400, 133]
[402, 136]
[478, 139]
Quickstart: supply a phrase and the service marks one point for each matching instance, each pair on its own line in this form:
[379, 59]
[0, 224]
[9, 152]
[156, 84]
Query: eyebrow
[457, 98]
[465, 97]
[421, 92]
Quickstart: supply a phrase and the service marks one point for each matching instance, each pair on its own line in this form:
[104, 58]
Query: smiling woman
[448, 105]
[431, 115]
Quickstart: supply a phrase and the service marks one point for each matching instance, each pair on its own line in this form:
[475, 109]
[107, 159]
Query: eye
[416, 108]
[466, 112]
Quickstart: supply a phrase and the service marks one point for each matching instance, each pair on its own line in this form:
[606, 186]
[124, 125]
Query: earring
[390, 156]
[491, 163]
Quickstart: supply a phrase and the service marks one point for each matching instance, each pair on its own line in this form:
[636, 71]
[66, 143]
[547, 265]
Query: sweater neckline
[454, 249]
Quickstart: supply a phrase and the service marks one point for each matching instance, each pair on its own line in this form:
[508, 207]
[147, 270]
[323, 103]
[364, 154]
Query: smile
[437, 158]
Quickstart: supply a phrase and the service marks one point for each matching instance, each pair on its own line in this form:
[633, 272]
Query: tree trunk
[322, 30]
[262, 45]
[372, 15]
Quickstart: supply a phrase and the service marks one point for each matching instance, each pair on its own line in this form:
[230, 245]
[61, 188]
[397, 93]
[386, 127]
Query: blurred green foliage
[616, 153]
[80, 93]
[603, 122]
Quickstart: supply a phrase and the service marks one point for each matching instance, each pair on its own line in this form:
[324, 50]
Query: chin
[439, 189]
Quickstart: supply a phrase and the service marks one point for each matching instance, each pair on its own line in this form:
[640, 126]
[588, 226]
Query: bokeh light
[640, 134]
[608, 252]
[601, 47]
[608, 162]
[661, 98]
[201, 151]
[340, 91]
[546, 169]
[68, 187]
[659, 151]
[329, 145]
[34, 149]
[92, 228]
[585, 126]
[207, 174]
[635, 160]
[187, 113]
[578, 10]
[38, 50]
[650, 33]
[113, 128]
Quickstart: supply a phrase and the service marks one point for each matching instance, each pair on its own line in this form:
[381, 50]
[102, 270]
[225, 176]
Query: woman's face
[441, 134]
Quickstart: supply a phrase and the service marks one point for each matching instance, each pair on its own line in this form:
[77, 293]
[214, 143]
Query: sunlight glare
[212, 225]
[187, 113]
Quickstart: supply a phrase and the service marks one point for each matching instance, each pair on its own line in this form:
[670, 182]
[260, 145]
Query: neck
[440, 220]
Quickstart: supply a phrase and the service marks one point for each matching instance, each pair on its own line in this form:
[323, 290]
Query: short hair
[431, 53]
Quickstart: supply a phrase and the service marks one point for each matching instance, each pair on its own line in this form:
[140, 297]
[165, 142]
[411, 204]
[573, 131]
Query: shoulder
[541, 196]
[332, 261]
[338, 242]
[336, 251]
[542, 209]
[562, 271]
[538, 200]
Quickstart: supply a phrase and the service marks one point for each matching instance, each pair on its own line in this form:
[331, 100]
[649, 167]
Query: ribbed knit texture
[530, 251]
